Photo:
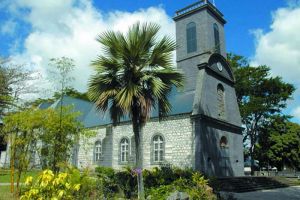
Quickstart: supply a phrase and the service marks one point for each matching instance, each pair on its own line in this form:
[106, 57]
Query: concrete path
[4, 184]
[289, 193]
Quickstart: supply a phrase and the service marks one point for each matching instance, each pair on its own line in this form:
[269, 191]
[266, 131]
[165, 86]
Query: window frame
[221, 101]
[158, 149]
[124, 153]
[191, 37]
[217, 38]
[98, 151]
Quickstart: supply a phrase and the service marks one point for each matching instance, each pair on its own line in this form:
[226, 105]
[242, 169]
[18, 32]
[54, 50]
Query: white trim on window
[158, 149]
[124, 150]
[98, 150]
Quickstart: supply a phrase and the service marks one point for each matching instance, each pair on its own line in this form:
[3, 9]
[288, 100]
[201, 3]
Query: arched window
[191, 37]
[158, 148]
[98, 150]
[221, 101]
[223, 142]
[217, 38]
[124, 146]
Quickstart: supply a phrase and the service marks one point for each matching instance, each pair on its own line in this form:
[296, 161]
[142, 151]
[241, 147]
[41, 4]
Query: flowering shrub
[62, 186]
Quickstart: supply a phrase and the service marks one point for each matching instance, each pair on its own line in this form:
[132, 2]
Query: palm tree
[133, 77]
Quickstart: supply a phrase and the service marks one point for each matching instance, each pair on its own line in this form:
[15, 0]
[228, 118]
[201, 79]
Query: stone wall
[86, 148]
[211, 157]
[176, 131]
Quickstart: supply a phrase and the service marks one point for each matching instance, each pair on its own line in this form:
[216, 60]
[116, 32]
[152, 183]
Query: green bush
[196, 189]
[159, 183]
[107, 177]
[164, 176]
[127, 182]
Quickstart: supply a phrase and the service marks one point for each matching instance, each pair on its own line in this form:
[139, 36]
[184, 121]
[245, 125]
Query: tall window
[217, 38]
[124, 149]
[221, 101]
[191, 37]
[158, 148]
[98, 150]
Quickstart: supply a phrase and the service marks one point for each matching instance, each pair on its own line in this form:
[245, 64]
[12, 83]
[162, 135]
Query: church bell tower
[216, 120]
[199, 31]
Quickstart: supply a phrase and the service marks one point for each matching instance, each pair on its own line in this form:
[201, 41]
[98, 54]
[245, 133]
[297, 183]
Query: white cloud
[69, 28]
[296, 112]
[279, 48]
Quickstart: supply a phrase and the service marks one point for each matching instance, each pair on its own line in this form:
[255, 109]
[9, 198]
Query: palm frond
[135, 73]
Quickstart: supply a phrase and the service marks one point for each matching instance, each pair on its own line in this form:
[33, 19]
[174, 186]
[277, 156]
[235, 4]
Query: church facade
[202, 132]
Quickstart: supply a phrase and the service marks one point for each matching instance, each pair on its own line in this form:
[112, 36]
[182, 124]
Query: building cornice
[235, 128]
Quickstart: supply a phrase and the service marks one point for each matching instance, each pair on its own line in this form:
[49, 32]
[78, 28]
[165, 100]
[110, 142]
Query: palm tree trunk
[138, 137]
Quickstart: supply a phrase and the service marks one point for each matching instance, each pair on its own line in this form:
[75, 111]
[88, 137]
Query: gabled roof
[181, 102]
[45, 105]
[79, 105]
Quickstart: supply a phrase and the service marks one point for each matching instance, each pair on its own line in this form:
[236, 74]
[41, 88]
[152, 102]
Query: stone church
[202, 132]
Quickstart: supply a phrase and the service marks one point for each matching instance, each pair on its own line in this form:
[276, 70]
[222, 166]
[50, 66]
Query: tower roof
[198, 6]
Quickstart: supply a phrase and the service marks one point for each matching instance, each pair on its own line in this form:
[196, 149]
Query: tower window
[217, 38]
[191, 37]
[221, 101]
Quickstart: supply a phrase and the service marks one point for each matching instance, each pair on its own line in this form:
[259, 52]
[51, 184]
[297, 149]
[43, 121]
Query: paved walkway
[289, 193]
[4, 184]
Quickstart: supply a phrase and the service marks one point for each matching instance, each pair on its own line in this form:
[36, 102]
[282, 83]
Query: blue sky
[33, 31]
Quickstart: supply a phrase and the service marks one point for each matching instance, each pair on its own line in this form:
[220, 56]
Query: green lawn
[5, 193]
[5, 175]
[5, 178]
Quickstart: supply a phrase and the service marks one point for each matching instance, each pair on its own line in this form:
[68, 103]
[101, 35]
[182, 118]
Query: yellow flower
[56, 181]
[28, 180]
[60, 193]
[33, 192]
[76, 187]
[62, 176]
[67, 185]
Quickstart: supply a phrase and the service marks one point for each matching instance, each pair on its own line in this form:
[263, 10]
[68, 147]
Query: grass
[5, 178]
[5, 175]
[287, 181]
[5, 193]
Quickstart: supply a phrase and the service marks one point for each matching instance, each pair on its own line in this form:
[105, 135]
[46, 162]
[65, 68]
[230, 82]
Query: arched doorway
[224, 156]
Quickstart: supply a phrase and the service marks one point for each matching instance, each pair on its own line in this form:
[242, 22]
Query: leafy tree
[259, 96]
[279, 144]
[28, 127]
[64, 126]
[71, 92]
[14, 82]
[133, 76]
[21, 129]
[61, 69]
